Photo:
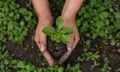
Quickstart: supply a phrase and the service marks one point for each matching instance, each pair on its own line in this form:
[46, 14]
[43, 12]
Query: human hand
[40, 39]
[74, 37]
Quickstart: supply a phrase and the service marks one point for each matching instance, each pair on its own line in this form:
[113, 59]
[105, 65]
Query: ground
[29, 51]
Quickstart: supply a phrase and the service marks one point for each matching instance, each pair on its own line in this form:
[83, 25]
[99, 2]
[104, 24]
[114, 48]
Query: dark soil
[56, 49]
[116, 3]
[29, 51]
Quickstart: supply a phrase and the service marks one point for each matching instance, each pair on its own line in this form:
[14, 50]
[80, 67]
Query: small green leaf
[78, 22]
[22, 23]
[67, 30]
[28, 67]
[104, 15]
[59, 22]
[10, 25]
[60, 69]
[65, 39]
[49, 30]
[14, 62]
[117, 15]
[11, 14]
[6, 61]
[21, 64]
[56, 37]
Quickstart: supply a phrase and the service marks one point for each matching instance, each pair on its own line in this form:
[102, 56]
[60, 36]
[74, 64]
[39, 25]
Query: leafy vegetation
[97, 19]
[15, 21]
[59, 34]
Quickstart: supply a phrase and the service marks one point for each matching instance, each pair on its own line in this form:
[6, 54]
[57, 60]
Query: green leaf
[60, 69]
[59, 22]
[28, 67]
[14, 62]
[65, 39]
[11, 14]
[49, 30]
[67, 30]
[78, 22]
[10, 25]
[22, 23]
[6, 61]
[117, 15]
[21, 64]
[56, 37]
[104, 15]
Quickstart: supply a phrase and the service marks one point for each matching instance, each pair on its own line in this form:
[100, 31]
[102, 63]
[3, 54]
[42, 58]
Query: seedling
[59, 34]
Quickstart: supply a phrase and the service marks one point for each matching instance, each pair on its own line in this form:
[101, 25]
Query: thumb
[70, 45]
[42, 47]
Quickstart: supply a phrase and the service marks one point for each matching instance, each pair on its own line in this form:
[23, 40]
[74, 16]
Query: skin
[45, 18]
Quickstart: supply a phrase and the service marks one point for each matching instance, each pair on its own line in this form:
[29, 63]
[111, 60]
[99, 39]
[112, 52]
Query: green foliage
[75, 68]
[14, 21]
[106, 67]
[98, 19]
[59, 34]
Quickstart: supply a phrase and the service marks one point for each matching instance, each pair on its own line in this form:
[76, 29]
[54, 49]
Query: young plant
[59, 34]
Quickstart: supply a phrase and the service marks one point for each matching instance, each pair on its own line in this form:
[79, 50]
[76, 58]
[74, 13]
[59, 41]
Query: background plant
[15, 21]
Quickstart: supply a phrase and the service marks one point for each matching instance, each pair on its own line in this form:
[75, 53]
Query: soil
[116, 3]
[29, 51]
[56, 49]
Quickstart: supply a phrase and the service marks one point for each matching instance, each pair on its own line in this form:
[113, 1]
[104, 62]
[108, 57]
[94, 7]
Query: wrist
[69, 17]
[45, 19]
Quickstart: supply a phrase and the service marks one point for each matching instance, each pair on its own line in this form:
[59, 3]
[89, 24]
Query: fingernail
[42, 48]
[70, 46]
[69, 49]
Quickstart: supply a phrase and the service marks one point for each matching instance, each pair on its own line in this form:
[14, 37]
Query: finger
[76, 39]
[70, 45]
[43, 48]
[48, 57]
[46, 54]
[37, 39]
[42, 37]
[64, 57]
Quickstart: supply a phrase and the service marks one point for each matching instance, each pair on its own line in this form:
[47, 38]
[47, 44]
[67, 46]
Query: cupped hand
[74, 38]
[40, 39]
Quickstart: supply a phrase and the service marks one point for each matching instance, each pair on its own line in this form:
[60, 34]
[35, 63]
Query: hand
[40, 39]
[74, 38]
